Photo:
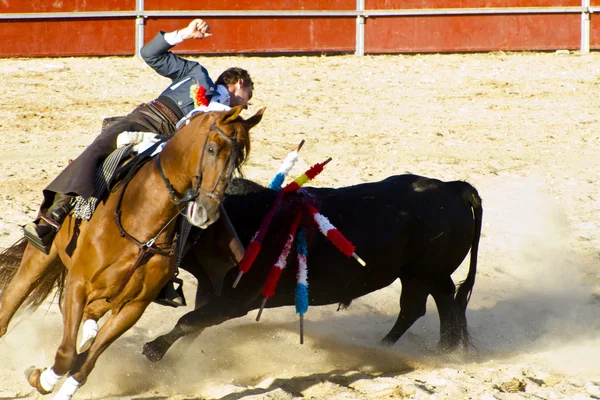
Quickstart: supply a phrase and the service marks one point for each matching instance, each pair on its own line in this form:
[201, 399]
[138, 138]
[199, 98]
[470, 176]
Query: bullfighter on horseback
[160, 116]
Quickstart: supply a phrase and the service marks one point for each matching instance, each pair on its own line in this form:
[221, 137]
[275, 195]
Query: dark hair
[231, 75]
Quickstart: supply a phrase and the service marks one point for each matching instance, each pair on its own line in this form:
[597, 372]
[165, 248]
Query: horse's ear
[231, 115]
[253, 120]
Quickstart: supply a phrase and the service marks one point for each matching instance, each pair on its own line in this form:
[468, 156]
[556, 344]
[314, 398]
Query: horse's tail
[54, 276]
[465, 288]
[10, 259]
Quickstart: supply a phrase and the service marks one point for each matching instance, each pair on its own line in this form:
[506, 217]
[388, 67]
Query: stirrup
[44, 243]
[170, 295]
[50, 221]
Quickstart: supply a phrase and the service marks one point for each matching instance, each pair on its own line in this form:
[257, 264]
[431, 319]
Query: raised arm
[157, 55]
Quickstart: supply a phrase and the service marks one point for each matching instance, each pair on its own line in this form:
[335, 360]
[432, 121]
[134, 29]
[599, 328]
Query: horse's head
[219, 144]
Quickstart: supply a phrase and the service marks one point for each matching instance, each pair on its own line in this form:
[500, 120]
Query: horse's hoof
[33, 377]
[151, 352]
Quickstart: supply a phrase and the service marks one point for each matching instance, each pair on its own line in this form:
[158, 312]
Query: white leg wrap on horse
[68, 389]
[88, 332]
[48, 379]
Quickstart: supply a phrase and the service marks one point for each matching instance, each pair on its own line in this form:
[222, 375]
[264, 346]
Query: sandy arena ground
[523, 128]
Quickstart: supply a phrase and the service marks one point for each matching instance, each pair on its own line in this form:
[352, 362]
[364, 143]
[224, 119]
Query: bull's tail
[465, 288]
[53, 277]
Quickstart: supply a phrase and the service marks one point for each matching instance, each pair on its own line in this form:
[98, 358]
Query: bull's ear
[253, 120]
[231, 115]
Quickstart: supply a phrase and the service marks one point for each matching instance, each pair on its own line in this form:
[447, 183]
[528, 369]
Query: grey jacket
[184, 73]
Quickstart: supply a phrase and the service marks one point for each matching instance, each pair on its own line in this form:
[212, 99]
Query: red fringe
[341, 242]
[291, 187]
[271, 282]
[315, 170]
[249, 256]
[201, 99]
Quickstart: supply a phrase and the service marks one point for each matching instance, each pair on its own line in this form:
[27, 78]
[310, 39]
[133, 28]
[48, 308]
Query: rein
[149, 247]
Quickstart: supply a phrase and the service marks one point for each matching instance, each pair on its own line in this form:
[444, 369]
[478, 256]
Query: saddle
[119, 167]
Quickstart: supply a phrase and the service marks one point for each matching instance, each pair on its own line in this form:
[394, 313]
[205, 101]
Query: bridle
[227, 171]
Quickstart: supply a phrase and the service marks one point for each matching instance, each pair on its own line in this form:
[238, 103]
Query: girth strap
[144, 250]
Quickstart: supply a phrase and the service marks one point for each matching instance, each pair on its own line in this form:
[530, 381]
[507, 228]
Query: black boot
[170, 295]
[41, 232]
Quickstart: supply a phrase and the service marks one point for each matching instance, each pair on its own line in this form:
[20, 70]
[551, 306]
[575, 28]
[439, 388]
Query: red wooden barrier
[93, 36]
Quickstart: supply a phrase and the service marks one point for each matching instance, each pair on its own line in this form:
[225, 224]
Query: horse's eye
[211, 149]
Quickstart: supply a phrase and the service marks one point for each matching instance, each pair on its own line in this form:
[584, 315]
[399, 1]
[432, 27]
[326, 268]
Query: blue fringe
[301, 298]
[301, 245]
[277, 182]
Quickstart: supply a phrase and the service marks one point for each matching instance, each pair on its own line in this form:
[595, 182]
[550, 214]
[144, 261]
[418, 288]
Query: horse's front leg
[75, 300]
[89, 330]
[117, 324]
[34, 266]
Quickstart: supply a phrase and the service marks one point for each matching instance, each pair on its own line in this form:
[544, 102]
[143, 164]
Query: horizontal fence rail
[303, 13]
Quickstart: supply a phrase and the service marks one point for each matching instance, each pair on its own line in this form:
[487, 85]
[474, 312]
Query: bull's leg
[44, 381]
[413, 302]
[117, 324]
[193, 322]
[450, 330]
[33, 266]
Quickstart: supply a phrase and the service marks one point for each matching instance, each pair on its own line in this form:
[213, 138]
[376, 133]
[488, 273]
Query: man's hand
[197, 29]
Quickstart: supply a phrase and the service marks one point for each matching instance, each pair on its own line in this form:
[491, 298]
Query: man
[233, 88]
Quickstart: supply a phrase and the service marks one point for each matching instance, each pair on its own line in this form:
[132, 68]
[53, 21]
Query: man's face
[239, 94]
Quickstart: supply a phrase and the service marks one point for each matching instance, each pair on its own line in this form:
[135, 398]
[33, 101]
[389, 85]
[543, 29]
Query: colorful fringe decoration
[309, 175]
[255, 244]
[330, 231]
[296, 233]
[198, 94]
[333, 234]
[280, 264]
[302, 285]
[285, 168]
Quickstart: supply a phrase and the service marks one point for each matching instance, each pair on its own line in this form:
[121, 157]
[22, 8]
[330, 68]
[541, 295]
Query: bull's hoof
[153, 351]
[444, 348]
[33, 377]
[388, 342]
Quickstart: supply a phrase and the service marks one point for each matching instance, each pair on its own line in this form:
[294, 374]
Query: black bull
[408, 227]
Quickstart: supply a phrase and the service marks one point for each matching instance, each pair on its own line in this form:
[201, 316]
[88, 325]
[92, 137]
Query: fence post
[360, 28]
[585, 27]
[139, 27]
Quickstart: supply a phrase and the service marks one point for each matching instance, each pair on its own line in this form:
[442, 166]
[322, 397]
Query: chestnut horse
[120, 259]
